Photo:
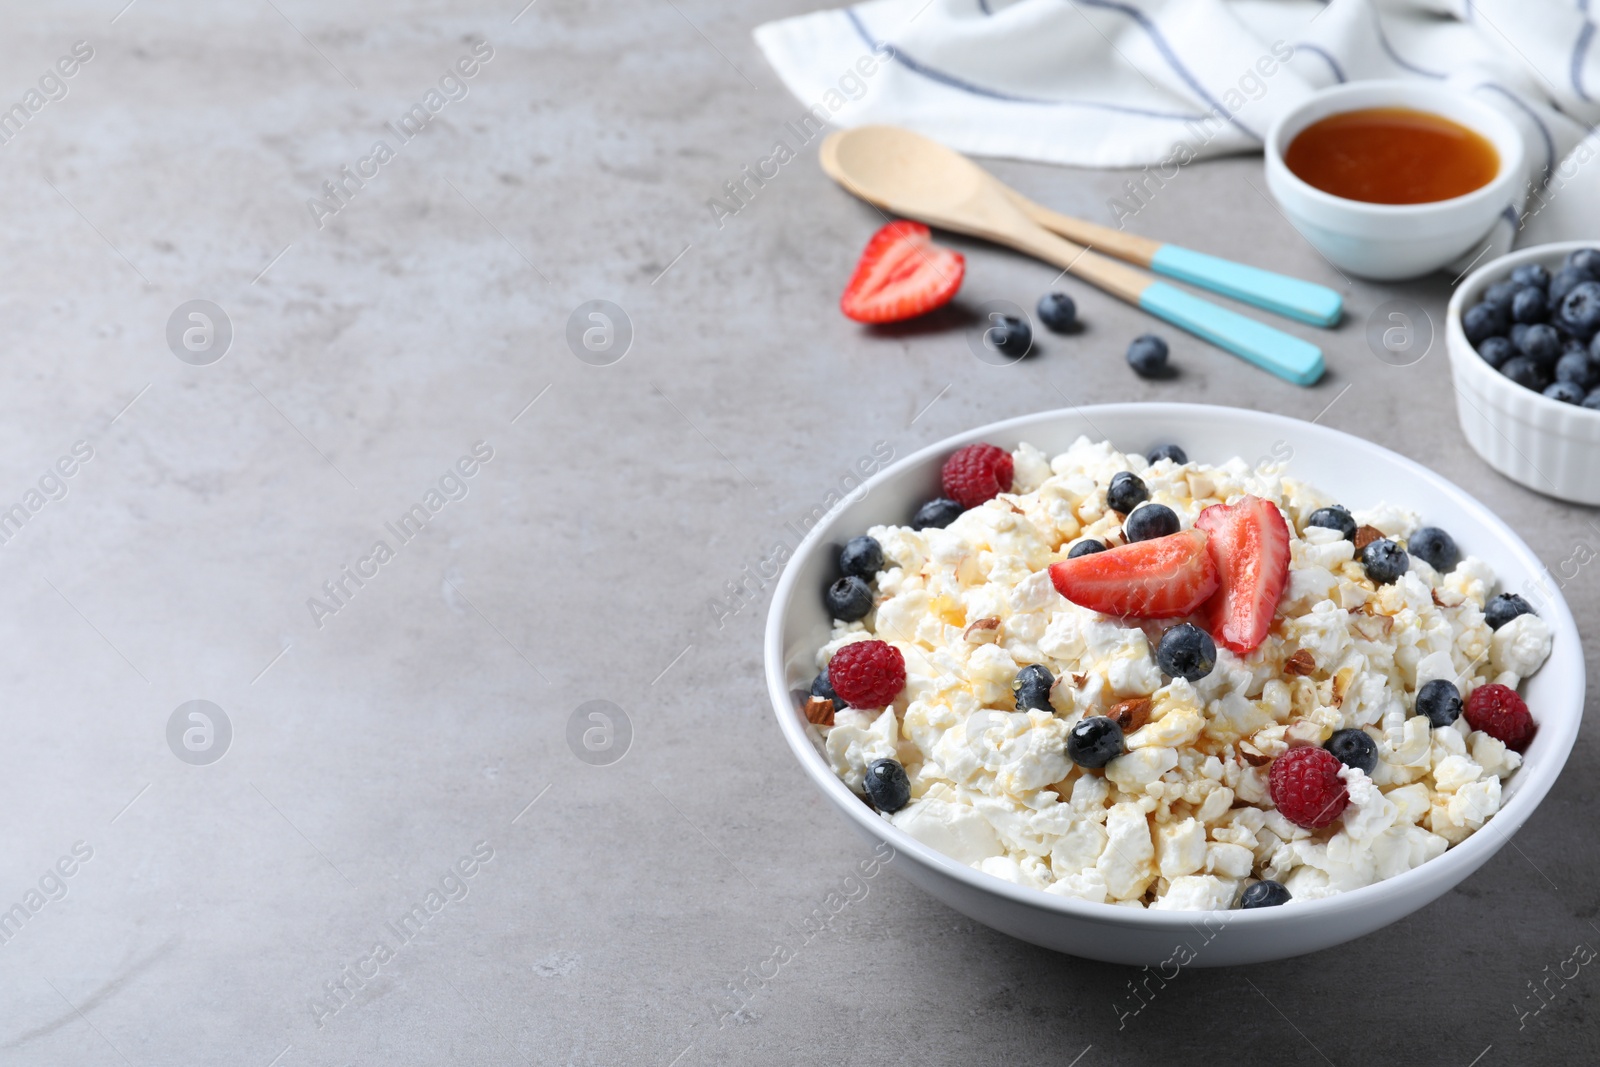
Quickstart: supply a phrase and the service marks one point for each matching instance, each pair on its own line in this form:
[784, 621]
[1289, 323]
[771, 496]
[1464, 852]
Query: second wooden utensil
[893, 169]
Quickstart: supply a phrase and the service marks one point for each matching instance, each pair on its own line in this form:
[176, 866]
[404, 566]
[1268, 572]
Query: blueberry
[861, 556]
[1009, 336]
[1525, 372]
[1264, 895]
[1172, 452]
[849, 598]
[1058, 311]
[1086, 547]
[1126, 492]
[1186, 651]
[1334, 518]
[1435, 548]
[1496, 350]
[1354, 748]
[1151, 520]
[1529, 306]
[1516, 334]
[1440, 701]
[1501, 294]
[1531, 274]
[1094, 742]
[1542, 344]
[1586, 261]
[887, 785]
[1592, 401]
[1580, 309]
[1565, 392]
[1565, 281]
[1032, 686]
[1503, 608]
[936, 514]
[1483, 320]
[821, 687]
[1384, 561]
[1147, 355]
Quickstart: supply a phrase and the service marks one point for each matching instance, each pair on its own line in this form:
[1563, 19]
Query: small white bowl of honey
[1393, 179]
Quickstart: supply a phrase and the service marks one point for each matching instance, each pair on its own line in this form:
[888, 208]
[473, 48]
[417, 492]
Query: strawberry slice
[902, 274]
[1250, 543]
[1161, 578]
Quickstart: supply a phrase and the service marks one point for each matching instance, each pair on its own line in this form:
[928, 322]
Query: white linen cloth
[1158, 83]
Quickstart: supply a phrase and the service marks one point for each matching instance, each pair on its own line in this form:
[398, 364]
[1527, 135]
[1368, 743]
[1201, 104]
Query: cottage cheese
[1183, 819]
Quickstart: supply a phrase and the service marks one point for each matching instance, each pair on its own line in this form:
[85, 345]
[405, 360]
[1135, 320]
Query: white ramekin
[1550, 447]
[1392, 241]
[1358, 473]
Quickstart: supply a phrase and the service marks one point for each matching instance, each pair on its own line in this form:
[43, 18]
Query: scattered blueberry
[887, 785]
[1586, 261]
[1150, 520]
[1010, 336]
[1032, 686]
[1531, 274]
[1126, 492]
[1565, 280]
[1186, 651]
[1085, 547]
[1524, 371]
[1354, 748]
[861, 556]
[936, 514]
[1479, 321]
[1435, 548]
[1440, 701]
[1529, 306]
[1264, 895]
[1384, 561]
[1094, 742]
[1496, 350]
[849, 598]
[1580, 309]
[1172, 452]
[1565, 392]
[1058, 311]
[1542, 344]
[1503, 608]
[1147, 355]
[1592, 401]
[1501, 294]
[821, 687]
[1334, 518]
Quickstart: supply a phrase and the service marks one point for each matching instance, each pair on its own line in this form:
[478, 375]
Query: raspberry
[867, 674]
[1306, 787]
[1500, 713]
[977, 473]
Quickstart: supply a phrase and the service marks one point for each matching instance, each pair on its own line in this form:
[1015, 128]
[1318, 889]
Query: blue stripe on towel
[1338, 71]
[1580, 53]
[1544, 131]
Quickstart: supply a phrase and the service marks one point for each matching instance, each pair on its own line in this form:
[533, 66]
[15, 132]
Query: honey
[1392, 155]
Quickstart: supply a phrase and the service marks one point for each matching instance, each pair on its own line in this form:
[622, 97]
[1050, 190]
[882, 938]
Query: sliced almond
[1252, 755]
[819, 711]
[1130, 714]
[1079, 680]
[1341, 685]
[1300, 664]
[1365, 535]
[982, 631]
[1301, 733]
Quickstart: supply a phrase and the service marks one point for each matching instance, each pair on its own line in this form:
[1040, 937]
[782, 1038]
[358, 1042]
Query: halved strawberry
[902, 274]
[1250, 543]
[1161, 578]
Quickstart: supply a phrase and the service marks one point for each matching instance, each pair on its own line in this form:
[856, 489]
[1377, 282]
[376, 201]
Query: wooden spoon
[910, 175]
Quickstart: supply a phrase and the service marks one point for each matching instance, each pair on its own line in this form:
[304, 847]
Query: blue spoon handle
[1271, 349]
[1296, 299]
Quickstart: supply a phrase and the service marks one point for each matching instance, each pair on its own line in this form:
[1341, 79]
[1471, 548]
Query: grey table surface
[611, 909]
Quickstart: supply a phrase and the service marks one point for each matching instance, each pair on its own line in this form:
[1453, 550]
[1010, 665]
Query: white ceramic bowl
[1390, 241]
[1358, 473]
[1550, 447]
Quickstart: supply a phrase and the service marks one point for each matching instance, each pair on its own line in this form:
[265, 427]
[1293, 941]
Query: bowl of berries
[1523, 333]
[1173, 684]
